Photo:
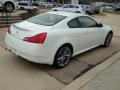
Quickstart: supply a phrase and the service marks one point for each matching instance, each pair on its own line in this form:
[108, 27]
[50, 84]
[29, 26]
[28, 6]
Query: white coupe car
[54, 37]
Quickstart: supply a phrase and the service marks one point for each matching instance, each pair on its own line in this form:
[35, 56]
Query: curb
[84, 79]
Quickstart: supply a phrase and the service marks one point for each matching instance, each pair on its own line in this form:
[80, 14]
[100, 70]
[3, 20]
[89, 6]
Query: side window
[66, 6]
[75, 6]
[23, 4]
[30, 4]
[20, 3]
[73, 23]
[26, 4]
[86, 22]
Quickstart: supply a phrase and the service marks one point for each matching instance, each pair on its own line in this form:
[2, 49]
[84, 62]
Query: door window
[86, 22]
[23, 4]
[73, 6]
[66, 6]
[74, 23]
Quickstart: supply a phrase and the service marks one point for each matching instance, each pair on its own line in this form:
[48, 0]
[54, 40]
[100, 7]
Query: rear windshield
[46, 19]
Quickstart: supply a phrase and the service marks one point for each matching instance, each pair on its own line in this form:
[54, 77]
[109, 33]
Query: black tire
[9, 7]
[108, 39]
[62, 56]
[35, 10]
[78, 12]
[55, 10]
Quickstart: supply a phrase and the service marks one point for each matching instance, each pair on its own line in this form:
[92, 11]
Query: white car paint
[81, 39]
[70, 8]
[46, 4]
[28, 6]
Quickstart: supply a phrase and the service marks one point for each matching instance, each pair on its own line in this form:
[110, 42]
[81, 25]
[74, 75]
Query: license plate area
[14, 51]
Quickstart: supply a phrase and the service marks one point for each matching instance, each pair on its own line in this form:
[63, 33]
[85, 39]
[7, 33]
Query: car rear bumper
[30, 51]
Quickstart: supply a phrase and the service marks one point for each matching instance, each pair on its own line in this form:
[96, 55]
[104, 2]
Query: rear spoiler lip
[20, 28]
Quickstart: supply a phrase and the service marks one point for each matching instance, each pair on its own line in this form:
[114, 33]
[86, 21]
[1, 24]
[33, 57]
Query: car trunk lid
[27, 29]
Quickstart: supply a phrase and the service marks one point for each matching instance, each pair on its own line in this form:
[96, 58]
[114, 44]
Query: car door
[73, 8]
[77, 36]
[26, 5]
[93, 31]
[30, 6]
[85, 34]
[66, 8]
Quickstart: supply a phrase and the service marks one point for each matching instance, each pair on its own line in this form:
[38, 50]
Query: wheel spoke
[67, 51]
[67, 55]
[63, 56]
[108, 39]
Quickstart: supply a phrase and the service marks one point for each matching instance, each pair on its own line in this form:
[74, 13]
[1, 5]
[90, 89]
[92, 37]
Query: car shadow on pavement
[78, 65]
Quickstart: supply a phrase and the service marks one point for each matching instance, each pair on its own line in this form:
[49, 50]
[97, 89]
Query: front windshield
[46, 19]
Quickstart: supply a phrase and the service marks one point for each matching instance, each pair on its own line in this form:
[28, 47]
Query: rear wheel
[108, 39]
[55, 10]
[9, 6]
[62, 56]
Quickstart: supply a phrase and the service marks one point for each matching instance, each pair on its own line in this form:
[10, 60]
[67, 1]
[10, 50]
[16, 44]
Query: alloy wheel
[63, 56]
[9, 7]
[108, 40]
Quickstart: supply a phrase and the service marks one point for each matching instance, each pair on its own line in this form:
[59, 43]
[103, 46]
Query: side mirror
[100, 25]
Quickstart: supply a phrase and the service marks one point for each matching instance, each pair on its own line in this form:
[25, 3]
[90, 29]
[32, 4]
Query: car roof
[67, 14]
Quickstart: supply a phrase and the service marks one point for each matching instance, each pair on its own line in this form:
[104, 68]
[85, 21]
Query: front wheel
[62, 57]
[108, 39]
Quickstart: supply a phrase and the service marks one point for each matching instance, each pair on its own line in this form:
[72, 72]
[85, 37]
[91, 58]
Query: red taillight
[9, 30]
[39, 38]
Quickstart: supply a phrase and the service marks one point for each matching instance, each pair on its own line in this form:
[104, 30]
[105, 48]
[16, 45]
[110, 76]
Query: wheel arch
[65, 44]
[111, 32]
